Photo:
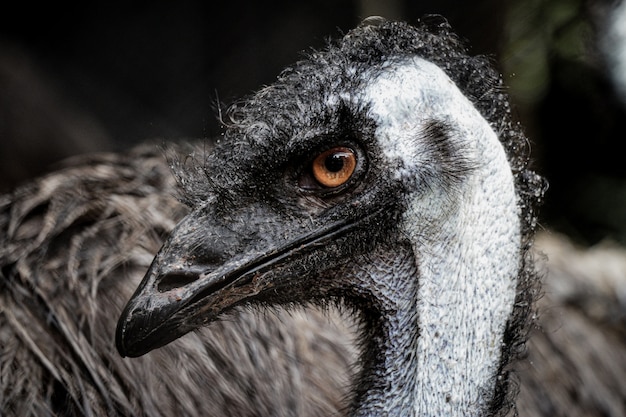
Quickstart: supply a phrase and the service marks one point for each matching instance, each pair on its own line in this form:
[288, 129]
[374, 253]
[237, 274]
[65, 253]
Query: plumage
[576, 354]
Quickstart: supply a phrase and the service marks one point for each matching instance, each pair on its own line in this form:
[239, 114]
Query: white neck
[465, 238]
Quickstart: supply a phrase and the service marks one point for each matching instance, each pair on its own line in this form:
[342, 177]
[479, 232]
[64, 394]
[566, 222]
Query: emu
[365, 176]
[306, 266]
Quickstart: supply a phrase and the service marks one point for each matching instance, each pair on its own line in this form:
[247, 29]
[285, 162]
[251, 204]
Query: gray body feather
[576, 361]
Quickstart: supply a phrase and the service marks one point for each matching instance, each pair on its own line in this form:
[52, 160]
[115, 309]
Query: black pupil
[334, 162]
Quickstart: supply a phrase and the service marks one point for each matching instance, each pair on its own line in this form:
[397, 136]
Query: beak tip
[151, 318]
[128, 340]
[120, 334]
[126, 350]
[140, 330]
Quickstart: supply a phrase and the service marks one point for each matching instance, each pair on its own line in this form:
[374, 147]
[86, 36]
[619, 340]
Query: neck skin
[387, 382]
[438, 306]
[468, 281]
[436, 346]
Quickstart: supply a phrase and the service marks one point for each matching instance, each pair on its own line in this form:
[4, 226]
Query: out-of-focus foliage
[555, 63]
[535, 31]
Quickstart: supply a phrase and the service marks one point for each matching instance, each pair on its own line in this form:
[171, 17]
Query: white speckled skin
[465, 241]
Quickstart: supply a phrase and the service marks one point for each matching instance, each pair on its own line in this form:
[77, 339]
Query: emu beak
[171, 302]
[203, 269]
[206, 268]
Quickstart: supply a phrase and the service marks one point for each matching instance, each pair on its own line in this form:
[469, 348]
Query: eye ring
[334, 167]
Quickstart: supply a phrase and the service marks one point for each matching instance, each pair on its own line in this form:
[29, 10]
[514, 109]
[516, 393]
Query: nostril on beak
[176, 279]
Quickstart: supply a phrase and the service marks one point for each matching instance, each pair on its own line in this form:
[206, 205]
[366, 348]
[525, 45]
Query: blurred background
[106, 76]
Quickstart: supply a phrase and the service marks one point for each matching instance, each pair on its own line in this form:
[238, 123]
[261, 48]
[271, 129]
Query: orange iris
[334, 167]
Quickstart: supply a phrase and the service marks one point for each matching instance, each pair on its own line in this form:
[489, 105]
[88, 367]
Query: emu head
[383, 173]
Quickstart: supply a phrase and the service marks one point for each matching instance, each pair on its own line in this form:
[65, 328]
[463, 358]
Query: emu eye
[334, 167]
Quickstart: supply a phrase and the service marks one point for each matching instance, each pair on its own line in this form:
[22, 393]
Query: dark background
[101, 77]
